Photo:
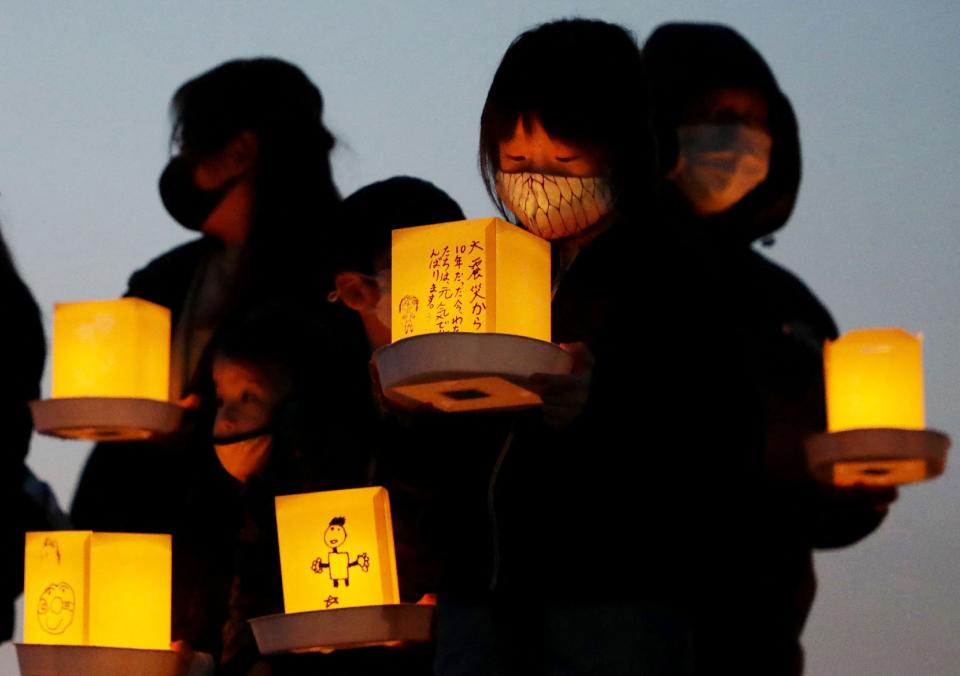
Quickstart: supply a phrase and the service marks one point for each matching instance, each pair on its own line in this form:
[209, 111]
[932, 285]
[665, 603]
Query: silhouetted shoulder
[790, 296]
[166, 279]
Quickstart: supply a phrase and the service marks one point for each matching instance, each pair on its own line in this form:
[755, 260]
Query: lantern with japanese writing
[470, 317]
[111, 369]
[875, 413]
[86, 593]
[339, 575]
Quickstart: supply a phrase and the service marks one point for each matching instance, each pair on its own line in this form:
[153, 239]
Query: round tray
[105, 418]
[80, 660]
[467, 371]
[339, 628]
[877, 456]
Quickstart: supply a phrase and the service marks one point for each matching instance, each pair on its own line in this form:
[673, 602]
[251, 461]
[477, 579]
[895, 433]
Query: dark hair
[369, 216]
[275, 337]
[581, 78]
[295, 197]
[338, 521]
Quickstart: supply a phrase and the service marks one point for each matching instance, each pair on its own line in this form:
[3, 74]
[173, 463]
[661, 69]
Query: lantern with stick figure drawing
[339, 575]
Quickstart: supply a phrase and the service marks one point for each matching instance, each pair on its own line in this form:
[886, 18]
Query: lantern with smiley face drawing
[97, 589]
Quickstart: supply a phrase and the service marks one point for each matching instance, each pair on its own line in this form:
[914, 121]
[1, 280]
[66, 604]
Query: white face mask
[553, 206]
[719, 164]
[244, 458]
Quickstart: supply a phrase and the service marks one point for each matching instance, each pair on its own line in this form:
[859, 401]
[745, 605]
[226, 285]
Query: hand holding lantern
[471, 319]
[111, 368]
[875, 413]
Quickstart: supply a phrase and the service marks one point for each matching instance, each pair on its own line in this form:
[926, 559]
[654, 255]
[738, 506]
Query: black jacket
[755, 614]
[25, 503]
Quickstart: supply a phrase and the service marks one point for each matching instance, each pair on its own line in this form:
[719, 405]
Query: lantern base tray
[877, 457]
[105, 418]
[455, 372]
[50, 660]
[341, 628]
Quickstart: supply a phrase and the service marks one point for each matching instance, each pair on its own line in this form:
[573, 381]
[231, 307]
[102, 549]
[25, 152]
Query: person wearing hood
[730, 168]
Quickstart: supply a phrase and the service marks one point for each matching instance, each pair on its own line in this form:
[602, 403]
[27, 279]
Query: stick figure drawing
[338, 563]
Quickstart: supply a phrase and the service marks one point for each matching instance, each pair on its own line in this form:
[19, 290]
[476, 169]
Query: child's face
[246, 396]
[556, 189]
[538, 152]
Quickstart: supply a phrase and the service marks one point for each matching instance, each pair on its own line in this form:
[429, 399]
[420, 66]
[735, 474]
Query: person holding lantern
[285, 400]
[362, 259]
[730, 170]
[252, 174]
[564, 152]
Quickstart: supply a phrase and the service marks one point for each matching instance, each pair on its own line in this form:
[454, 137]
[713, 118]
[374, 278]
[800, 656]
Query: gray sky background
[83, 137]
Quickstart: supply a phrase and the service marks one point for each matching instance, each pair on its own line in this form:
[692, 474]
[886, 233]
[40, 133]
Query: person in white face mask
[290, 417]
[247, 396]
[730, 172]
[720, 163]
[564, 152]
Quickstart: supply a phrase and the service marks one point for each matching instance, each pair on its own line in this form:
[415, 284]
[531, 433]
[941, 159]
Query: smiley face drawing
[56, 608]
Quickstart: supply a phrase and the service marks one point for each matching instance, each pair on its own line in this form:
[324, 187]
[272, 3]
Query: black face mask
[243, 436]
[189, 205]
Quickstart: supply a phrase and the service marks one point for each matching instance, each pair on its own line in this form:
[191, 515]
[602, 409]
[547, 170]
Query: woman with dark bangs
[251, 173]
[594, 503]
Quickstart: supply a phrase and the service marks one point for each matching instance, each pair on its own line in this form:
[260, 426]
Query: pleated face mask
[552, 206]
[719, 164]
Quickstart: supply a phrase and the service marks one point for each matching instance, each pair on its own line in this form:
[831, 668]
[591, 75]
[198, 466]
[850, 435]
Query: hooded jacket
[758, 613]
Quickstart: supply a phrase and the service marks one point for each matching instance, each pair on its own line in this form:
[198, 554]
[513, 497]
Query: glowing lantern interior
[336, 549]
[874, 379]
[111, 348]
[97, 589]
[480, 276]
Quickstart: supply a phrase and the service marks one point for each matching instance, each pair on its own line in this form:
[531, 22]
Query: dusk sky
[83, 137]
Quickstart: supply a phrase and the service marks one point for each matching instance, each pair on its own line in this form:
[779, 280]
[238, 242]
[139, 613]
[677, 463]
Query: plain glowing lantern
[111, 371]
[875, 412]
[97, 589]
[470, 316]
[339, 574]
[111, 348]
